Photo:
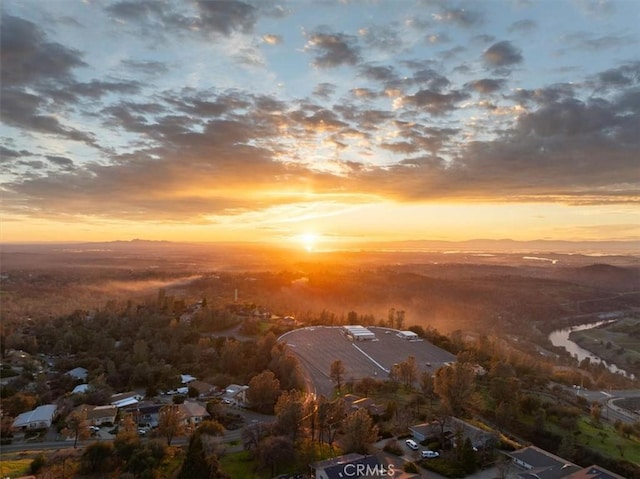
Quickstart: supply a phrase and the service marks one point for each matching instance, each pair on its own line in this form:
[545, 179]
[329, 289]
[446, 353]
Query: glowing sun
[309, 241]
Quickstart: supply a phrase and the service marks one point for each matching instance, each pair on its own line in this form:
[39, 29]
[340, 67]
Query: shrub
[392, 447]
[37, 464]
[410, 467]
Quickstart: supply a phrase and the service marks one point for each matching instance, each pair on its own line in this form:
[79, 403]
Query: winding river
[561, 339]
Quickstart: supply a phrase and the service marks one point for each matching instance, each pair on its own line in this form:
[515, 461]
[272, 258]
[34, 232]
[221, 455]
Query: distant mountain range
[626, 247]
[509, 245]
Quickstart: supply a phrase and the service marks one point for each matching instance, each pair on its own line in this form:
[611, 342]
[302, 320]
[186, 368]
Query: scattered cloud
[502, 54]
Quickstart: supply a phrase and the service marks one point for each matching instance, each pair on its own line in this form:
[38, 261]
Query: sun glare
[309, 241]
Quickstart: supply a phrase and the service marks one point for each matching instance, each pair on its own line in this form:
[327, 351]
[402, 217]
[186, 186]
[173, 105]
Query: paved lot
[318, 347]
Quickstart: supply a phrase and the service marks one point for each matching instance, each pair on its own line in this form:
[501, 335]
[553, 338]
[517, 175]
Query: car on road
[427, 454]
[412, 444]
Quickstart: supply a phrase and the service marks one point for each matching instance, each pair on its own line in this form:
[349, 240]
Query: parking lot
[318, 347]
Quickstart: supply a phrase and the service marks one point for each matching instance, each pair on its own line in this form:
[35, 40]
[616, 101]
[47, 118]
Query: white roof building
[359, 333]
[39, 418]
[408, 335]
[78, 373]
[80, 388]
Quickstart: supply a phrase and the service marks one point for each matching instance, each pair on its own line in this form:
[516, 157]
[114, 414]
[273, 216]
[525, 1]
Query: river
[561, 339]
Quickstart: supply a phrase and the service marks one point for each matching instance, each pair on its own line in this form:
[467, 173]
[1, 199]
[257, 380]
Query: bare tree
[337, 372]
[359, 431]
[455, 385]
[170, 422]
[77, 425]
[289, 413]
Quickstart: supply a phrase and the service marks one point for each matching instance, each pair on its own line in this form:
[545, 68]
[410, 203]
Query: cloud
[523, 26]
[386, 38]
[27, 57]
[461, 17]
[434, 102]
[272, 39]
[227, 17]
[62, 162]
[22, 110]
[486, 85]
[205, 16]
[502, 54]
[146, 67]
[333, 49]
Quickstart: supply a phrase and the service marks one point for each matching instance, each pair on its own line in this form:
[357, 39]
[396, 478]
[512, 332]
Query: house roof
[41, 413]
[80, 388]
[202, 387]
[193, 409]
[233, 389]
[341, 469]
[98, 412]
[543, 464]
[78, 373]
[594, 472]
[347, 458]
[187, 378]
[124, 402]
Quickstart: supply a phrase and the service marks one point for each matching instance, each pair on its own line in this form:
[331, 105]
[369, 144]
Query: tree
[596, 413]
[170, 422]
[468, 457]
[455, 385]
[289, 411]
[274, 451]
[359, 431]
[427, 386]
[127, 439]
[337, 372]
[263, 391]
[77, 426]
[408, 371]
[200, 462]
[97, 457]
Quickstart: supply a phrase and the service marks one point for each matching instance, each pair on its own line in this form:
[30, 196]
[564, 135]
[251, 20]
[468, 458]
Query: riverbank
[615, 343]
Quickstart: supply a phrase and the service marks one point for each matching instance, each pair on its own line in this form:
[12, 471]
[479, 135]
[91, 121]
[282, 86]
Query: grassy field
[16, 464]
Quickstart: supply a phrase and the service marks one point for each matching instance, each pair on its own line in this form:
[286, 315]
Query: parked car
[427, 454]
[412, 444]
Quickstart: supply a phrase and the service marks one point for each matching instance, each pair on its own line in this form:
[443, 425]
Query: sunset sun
[309, 241]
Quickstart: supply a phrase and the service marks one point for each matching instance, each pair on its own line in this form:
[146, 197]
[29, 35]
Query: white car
[427, 454]
[412, 444]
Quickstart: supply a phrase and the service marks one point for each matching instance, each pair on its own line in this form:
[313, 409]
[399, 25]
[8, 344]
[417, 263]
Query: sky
[319, 122]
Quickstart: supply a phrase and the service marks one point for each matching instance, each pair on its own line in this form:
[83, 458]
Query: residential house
[235, 394]
[121, 400]
[451, 428]
[145, 413]
[187, 378]
[39, 418]
[537, 463]
[78, 373]
[368, 404]
[99, 415]
[594, 472]
[194, 413]
[80, 389]
[357, 466]
[204, 389]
